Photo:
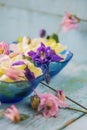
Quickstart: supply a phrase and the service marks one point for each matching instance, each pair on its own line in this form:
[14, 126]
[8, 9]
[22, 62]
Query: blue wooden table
[19, 18]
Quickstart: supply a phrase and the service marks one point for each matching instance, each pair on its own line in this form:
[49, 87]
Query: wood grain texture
[38, 122]
[56, 7]
[20, 18]
[79, 124]
[27, 17]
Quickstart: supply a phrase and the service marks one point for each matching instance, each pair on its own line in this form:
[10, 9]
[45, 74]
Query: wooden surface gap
[70, 122]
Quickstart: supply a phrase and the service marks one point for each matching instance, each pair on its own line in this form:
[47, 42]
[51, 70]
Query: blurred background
[27, 17]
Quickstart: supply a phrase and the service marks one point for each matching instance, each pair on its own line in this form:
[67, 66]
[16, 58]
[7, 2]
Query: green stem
[2, 113]
[75, 109]
[66, 96]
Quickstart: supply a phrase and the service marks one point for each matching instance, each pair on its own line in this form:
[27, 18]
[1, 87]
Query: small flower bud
[34, 101]
[42, 33]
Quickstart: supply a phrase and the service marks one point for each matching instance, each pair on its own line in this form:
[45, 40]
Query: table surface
[72, 79]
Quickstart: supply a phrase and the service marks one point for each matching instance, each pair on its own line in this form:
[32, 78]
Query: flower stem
[66, 96]
[1, 114]
[75, 109]
[83, 20]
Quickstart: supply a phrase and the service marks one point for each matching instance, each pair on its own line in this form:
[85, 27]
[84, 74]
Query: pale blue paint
[27, 17]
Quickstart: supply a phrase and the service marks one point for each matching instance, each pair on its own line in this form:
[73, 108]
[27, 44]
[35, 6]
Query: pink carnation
[69, 22]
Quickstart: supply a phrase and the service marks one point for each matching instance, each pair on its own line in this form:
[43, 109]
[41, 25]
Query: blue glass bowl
[56, 67]
[16, 91]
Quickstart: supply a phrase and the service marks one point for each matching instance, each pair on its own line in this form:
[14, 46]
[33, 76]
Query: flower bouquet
[26, 62]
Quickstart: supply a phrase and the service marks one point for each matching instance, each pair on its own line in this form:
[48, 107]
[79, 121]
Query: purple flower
[18, 63]
[42, 32]
[44, 55]
[29, 75]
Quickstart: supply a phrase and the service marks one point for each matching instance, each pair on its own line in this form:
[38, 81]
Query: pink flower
[69, 22]
[61, 96]
[15, 74]
[13, 114]
[4, 48]
[48, 104]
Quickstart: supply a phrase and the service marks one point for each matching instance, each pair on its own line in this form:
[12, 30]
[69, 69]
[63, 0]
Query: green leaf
[53, 36]
[23, 117]
[48, 37]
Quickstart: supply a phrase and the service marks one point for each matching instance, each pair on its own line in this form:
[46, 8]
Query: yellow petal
[36, 70]
[60, 48]
[4, 78]
[2, 71]
[20, 67]
[19, 39]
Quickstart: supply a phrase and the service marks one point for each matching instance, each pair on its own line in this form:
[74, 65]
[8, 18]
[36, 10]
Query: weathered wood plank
[28, 18]
[16, 22]
[78, 125]
[38, 122]
[56, 7]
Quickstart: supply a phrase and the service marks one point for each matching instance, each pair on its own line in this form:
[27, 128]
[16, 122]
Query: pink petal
[15, 110]
[11, 117]
[63, 105]
[13, 47]
[12, 113]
